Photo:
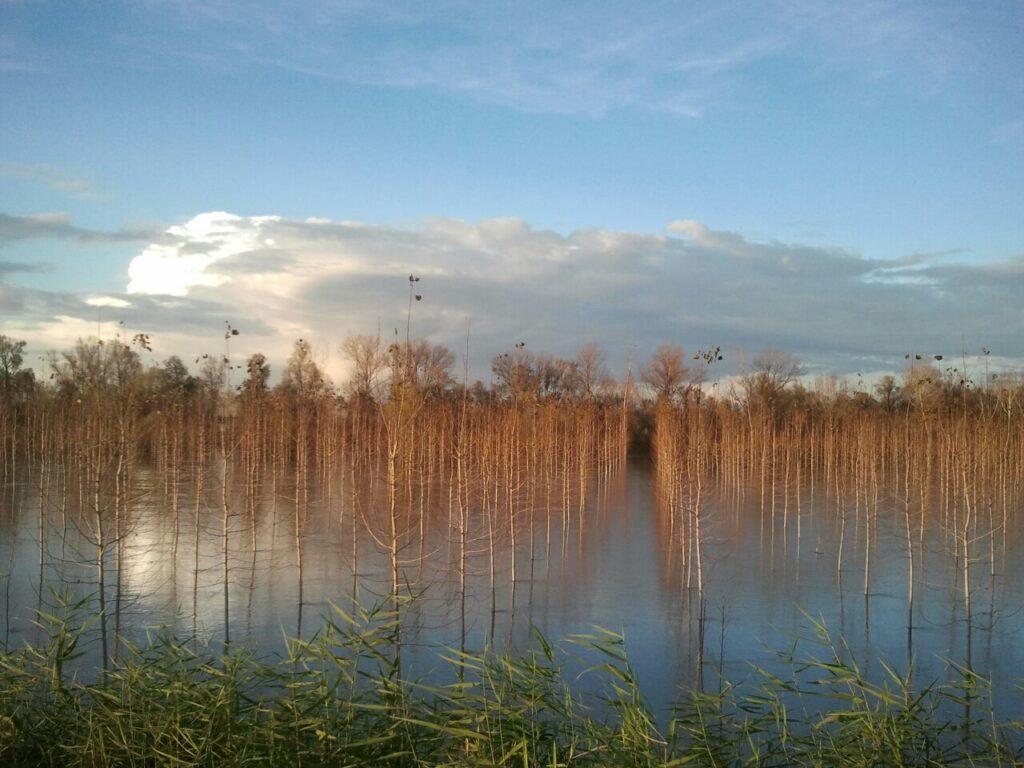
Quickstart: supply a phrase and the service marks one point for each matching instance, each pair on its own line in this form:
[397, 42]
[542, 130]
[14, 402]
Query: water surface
[272, 563]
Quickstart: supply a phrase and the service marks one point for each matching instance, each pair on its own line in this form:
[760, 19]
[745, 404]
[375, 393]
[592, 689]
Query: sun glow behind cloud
[503, 281]
[107, 301]
[173, 268]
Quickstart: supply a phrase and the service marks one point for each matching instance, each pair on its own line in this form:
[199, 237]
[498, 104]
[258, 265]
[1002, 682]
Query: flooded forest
[712, 521]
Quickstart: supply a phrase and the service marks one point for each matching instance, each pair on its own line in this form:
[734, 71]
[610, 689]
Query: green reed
[338, 699]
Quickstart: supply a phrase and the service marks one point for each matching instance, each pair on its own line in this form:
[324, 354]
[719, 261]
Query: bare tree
[553, 376]
[770, 373]
[515, 371]
[922, 386]
[888, 392]
[666, 372]
[96, 366]
[431, 365]
[213, 373]
[590, 369]
[368, 359]
[302, 375]
[523, 375]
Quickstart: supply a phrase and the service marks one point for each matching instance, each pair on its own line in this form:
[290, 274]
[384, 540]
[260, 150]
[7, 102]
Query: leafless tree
[368, 360]
[666, 372]
[302, 375]
[213, 373]
[96, 366]
[770, 373]
[922, 385]
[431, 365]
[590, 369]
[515, 371]
[888, 392]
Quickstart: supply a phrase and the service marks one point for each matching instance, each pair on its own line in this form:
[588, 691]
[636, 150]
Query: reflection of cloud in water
[621, 563]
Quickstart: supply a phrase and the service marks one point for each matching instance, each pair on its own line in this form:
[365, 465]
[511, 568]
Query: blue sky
[849, 176]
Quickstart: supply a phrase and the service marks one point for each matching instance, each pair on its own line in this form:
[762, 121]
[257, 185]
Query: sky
[843, 181]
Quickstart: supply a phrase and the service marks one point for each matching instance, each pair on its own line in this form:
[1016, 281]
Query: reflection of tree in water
[180, 493]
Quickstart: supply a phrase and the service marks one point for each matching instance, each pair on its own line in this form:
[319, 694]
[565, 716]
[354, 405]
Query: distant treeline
[114, 368]
[503, 461]
[403, 405]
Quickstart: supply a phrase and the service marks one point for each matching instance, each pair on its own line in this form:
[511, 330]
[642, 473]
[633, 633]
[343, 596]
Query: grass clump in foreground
[338, 700]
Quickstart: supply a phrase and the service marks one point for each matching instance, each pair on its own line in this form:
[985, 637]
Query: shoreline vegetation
[501, 462]
[339, 699]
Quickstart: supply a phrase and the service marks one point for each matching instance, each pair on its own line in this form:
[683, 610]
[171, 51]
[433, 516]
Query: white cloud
[321, 279]
[107, 301]
[278, 279]
[172, 268]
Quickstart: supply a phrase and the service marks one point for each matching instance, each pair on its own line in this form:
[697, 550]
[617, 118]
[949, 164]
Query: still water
[259, 567]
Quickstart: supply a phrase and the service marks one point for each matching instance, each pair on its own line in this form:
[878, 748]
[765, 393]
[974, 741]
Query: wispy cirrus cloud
[546, 57]
[881, 38]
